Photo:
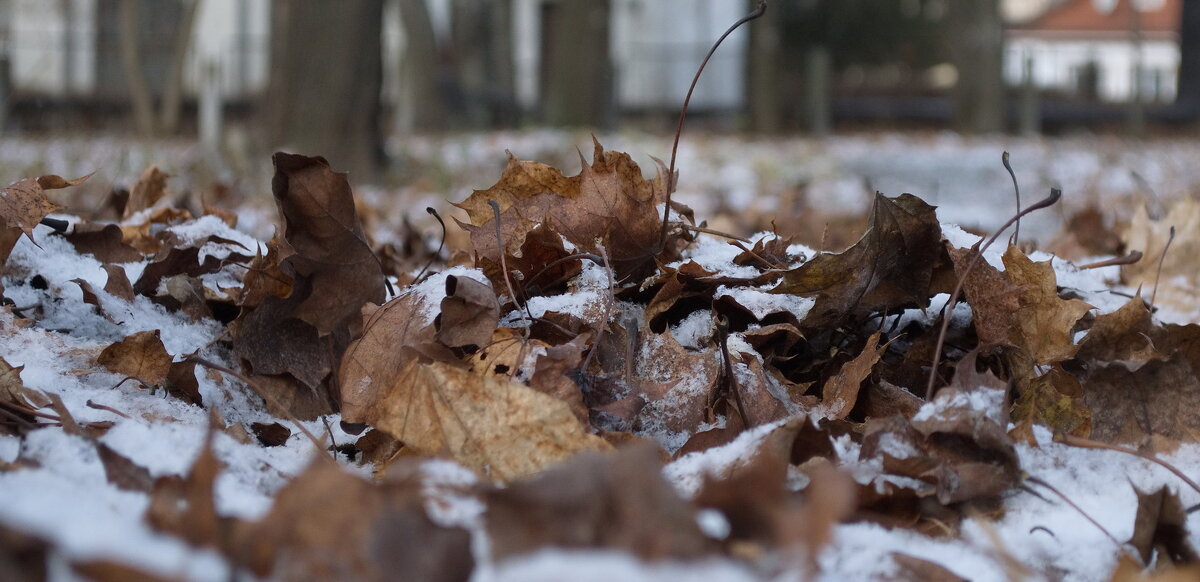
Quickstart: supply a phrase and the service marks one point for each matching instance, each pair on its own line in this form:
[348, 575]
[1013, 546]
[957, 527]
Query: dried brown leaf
[146, 192]
[840, 392]
[891, 266]
[140, 355]
[618, 501]
[496, 426]
[1043, 320]
[1132, 401]
[469, 313]
[1160, 527]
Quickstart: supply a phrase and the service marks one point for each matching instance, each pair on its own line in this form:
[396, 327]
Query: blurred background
[813, 106]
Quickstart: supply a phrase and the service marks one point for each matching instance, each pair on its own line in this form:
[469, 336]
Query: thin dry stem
[758, 11]
[1161, 259]
[1055, 194]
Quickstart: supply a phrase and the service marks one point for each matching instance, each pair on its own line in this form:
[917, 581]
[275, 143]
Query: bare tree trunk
[579, 68]
[502, 66]
[423, 109]
[173, 92]
[324, 97]
[764, 95]
[131, 60]
[977, 51]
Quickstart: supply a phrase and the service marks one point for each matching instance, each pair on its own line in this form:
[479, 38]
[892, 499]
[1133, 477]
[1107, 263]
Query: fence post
[1029, 116]
[818, 75]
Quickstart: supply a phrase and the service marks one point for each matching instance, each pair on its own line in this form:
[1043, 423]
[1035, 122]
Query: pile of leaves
[583, 343]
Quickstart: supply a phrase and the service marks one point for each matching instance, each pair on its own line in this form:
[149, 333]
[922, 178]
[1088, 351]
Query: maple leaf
[891, 266]
[1055, 400]
[23, 204]
[1124, 334]
[489, 423]
[607, 205]
[1043, 320]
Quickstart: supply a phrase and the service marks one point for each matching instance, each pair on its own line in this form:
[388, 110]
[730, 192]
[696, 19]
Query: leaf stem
[758, 11]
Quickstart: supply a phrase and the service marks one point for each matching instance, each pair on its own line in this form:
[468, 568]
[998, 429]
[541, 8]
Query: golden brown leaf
[609, 204]
[1043, 320]
[140, 355]
[496, 426]
[469, 313]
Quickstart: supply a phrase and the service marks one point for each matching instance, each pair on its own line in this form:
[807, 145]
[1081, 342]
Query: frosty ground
[741, 185]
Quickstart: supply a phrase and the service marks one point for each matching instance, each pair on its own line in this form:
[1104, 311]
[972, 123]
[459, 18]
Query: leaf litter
[582, 387]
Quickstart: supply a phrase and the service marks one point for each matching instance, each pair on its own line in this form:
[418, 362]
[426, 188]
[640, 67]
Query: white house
[1108, 49]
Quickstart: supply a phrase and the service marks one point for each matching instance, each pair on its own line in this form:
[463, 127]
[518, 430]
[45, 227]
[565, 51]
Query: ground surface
[60, 495]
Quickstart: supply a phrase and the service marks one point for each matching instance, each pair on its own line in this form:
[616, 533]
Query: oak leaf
[489, 423]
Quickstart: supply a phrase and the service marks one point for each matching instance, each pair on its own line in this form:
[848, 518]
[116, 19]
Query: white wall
[1055, 62]
[38, 45]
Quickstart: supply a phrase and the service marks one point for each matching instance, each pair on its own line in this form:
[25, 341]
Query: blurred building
[70, 49]
[1105, 50]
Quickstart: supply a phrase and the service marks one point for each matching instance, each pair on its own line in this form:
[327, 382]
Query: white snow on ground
[68, 500]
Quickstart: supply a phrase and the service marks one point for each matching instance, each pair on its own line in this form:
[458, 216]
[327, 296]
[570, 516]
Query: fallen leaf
[618, 501]
[331, 251]
[840, 392]
[1054, 400]
[270, 434]
[920, 570]
[123, 473]
[493, 425]
[184, 506]
[140, 355]
[104, 242]
[1160, 529]
[1043, 321]
[310, 534]
[118, 284]
[393, 335]
[608, 205]
[101, 570]
[24, 556]
[1122, 335]
[891, 266]
[146, 192]
[1131, 401]
[993, 299]
[469, 313]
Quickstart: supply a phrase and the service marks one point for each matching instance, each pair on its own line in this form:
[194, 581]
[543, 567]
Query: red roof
[1082, 16]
